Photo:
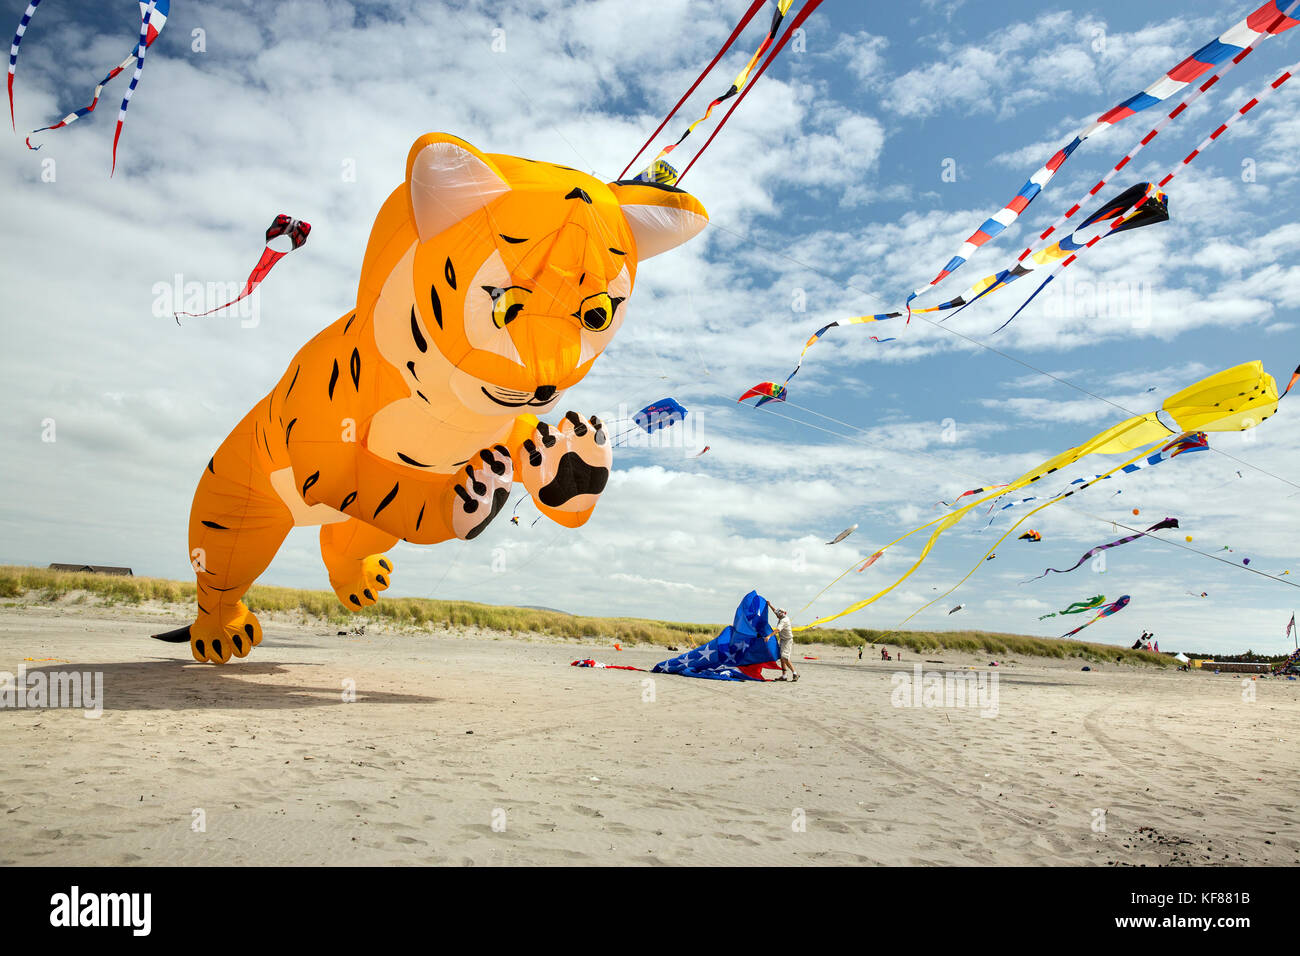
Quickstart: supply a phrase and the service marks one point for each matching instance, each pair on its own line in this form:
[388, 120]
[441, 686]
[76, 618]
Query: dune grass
[22, 585]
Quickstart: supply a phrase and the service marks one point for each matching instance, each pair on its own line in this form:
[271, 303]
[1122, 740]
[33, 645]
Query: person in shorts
[785, 643]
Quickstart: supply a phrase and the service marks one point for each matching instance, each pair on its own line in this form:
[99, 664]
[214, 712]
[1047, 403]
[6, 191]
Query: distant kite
[1158, 526]
[282, 237]
[1031, 535]
[1107, 611]
[661, 414]
[843, 534]
[869, 562]
[967, 494]
[1078, 607]
[765, 392]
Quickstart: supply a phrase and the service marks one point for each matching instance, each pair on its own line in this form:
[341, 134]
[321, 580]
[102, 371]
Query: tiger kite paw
[215, 639]
[481, 491]
[566, 468]
[361, 588]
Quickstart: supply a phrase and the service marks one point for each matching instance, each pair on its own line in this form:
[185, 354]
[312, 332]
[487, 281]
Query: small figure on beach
[785, 643]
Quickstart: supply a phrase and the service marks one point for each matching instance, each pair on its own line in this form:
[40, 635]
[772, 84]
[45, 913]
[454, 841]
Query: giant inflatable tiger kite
[489, 287]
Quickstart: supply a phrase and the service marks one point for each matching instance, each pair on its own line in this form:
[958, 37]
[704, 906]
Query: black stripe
[289, 430]
[510, 239]
[355, 368]
[347, 501]
[294, 382]
[352, 318]
[213, 524]
[638, 182]
[450, 272]
[420, 343]
[412, 461]
[334, 378]
[311, 480]
[420, 518]
[210, 468]
[388, 499]
[437, 305]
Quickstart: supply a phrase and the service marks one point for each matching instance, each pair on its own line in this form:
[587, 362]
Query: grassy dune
[28, 586]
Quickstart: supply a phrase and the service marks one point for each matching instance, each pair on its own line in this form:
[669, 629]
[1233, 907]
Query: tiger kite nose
[544, 393]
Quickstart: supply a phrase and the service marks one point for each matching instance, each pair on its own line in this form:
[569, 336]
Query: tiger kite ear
[448, 179]
[660, 217]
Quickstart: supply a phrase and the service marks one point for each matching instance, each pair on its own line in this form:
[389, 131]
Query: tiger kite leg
[353, 552]
[237, 524]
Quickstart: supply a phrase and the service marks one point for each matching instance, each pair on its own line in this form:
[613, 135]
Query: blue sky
[826, 186]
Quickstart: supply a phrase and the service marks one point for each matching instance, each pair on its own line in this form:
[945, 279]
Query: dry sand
[494, 751]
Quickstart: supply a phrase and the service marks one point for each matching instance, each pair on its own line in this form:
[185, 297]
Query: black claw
[498, 467]
[369, 596]
[544, 430]
[198, 646]
[354, 599]
[385, 565]
[503, 451]
[248, 629]
[381, 579]
[534, 456]
[238, 641]
[579, 428]
[216, 646]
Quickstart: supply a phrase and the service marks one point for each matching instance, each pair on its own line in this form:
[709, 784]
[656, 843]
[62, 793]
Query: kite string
[798, 20]
[744, 21]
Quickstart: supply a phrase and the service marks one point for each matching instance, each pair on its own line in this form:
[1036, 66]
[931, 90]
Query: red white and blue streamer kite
[1269, 20]
[153, 16]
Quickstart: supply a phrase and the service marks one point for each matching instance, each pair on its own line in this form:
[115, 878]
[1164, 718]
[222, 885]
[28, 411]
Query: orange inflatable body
[490, 285]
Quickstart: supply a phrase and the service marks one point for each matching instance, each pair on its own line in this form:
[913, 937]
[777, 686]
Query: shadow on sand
[171, 684]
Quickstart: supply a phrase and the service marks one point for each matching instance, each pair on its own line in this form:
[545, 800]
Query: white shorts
[787, 648]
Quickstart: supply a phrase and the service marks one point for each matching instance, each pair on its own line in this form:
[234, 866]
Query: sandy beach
[482, 749]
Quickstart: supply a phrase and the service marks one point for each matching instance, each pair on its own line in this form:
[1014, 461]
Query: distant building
[1232, 667]
[92, 569]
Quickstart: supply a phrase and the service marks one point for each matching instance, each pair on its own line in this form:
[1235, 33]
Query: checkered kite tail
[1202, 58]
[153, 16]
[140, 49]
[1268, 20]
[1157, 194]
[13, 54]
